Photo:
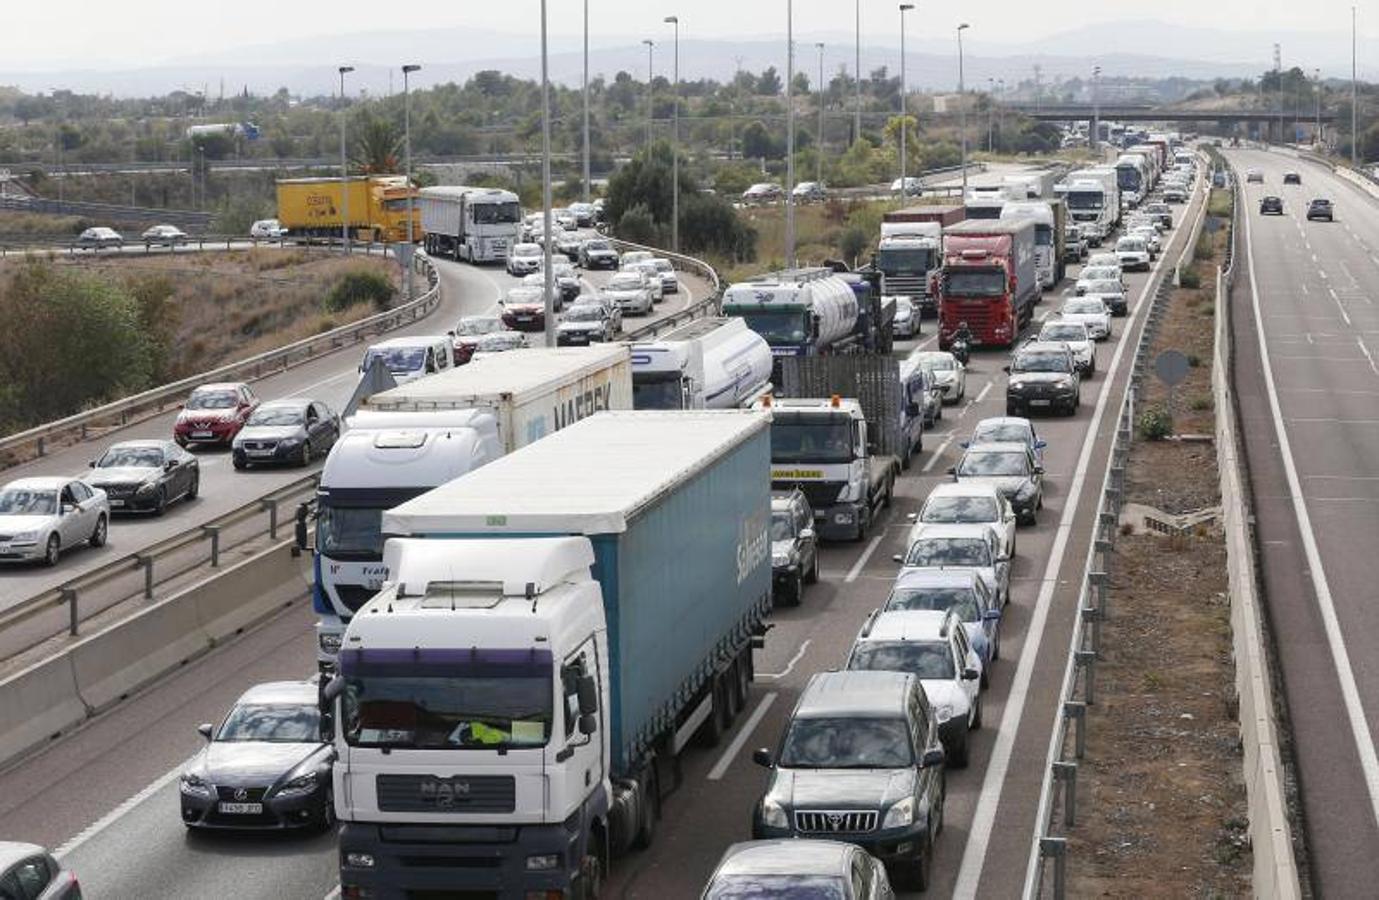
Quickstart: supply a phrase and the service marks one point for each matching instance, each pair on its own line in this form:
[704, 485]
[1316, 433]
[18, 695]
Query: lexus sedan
[292, 431]
[145, 475]
[265, 767]
[41, 517]
[214, 414]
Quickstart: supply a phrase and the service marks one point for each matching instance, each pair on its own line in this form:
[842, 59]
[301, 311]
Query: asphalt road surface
[1309, 403]
[106, 795]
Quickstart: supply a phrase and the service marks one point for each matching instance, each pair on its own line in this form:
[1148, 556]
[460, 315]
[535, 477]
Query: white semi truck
[713, 363]
[1092, 197]
[476, 225]
[410, 439]
[555, 630]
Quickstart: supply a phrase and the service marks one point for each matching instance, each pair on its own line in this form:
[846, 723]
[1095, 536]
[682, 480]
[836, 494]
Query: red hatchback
[214, 414]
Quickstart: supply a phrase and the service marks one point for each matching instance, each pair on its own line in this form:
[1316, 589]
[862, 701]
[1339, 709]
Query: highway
[107, 794]
[1306, 329]
[465, 290]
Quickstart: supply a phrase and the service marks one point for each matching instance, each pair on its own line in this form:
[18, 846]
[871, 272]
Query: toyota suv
[860, 761]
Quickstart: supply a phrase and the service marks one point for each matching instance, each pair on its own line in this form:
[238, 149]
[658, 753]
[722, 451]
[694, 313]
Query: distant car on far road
[99, 238]
[1271, 206]
[1320, 208]
[1254, 176]
[810, 192]
[164, 236]
[763, 192]
[1292, 178]
[28, 872]
[267, 229]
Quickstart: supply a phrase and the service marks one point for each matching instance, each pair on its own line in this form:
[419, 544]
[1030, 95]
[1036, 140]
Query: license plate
[115, 504]
[4, 548]
[524, 318]
[202, 434]
[242, 809]
[260, 452]
[1039, 402]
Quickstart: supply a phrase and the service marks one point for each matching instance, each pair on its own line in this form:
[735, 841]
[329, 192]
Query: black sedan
[265, 767]
[1271, 206]
[286, 431]
[145, 475]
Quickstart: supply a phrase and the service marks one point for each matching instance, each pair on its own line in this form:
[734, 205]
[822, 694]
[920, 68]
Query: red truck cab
[988, 280]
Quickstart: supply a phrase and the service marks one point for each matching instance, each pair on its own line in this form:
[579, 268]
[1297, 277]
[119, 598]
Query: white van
[410, 358]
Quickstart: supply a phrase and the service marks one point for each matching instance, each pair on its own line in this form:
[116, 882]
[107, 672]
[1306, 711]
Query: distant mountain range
[307, 66]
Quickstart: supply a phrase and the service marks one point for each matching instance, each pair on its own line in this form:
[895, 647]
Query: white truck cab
[413, 357]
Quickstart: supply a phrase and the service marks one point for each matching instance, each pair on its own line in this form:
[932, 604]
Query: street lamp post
[650, 77]
[857, 75]
[990, 113]
[1354, 135]
[1096, 107]
[1317, 91]
[819, 140]
[904, 107]
[344, 166]
[548, 292]
[586, 101]
[962, 110]
[675, 143]
[789, 134]
[407, 70]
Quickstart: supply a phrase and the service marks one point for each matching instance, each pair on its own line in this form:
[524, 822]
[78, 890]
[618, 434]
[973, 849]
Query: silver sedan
[41, 517]
[950, 375]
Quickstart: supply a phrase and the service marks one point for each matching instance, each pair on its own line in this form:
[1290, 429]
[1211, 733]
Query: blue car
[1008, 429]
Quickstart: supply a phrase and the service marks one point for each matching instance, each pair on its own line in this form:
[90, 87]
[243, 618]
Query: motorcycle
[959, 349]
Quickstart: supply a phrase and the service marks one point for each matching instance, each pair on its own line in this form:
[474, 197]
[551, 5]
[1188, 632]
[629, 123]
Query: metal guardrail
[1078, 690]
[50, 245]
[209, 534]
[109, 211]
[156, 400]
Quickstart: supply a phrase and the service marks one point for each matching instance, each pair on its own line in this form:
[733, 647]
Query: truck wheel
[890, 494]
[589, 882]
[712, 731]
[651, 809]
[743, 685]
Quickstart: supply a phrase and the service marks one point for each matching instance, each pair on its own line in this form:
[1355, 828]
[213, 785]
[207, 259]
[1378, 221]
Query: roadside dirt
[1161, 801]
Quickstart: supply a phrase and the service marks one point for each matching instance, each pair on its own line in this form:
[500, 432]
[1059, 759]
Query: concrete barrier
[37, 704]
[96, 673]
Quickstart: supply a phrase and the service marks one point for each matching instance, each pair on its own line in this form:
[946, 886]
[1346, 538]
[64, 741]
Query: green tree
[376, 145]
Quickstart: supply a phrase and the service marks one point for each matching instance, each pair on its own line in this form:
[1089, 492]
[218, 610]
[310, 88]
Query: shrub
[1189, 278]
[1194, 360]
[1202, 403]
[1155, 423]
[853, 243]
[360, 286]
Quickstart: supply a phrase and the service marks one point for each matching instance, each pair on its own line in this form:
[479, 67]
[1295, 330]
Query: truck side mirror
[588, 724]
[588, 697]
[299, 534]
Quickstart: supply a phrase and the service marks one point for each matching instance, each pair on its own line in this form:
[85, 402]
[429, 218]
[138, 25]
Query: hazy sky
[100, 34]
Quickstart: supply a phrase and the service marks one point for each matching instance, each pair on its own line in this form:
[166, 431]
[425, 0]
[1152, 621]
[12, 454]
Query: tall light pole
[819, 141]
[407, 70]
[548, 292]
[1354, 135]
[1096, 107]
[1317, 90]
[904, 107]
[344, 166]
[1000, 111]
[586, 101]
[789, 134]
[962, 110]
[990, 114]
[675, 143]
[857, 73]
[650, 65]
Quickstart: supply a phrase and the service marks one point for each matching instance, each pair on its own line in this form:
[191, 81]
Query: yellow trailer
[315, 207]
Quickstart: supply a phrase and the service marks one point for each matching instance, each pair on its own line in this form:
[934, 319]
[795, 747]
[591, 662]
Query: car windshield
[950, 551]
[397, 359]
[962, 600]
[1104, 286]
[810, 439]
[1130, 245]
[212, 400]
[1083, 308]
[999, 432]
[130, 457]
[1063, 333]
[25, 502]
[277, 415]
[937, 362]
[782, 526]
[959, 510]
[520, 296]
[472, 327]
[1040, 362]
[974, 283]
[584, 312]
[596, 245]
[441, 699]
[526, 250]
[275, 723]
[989, 462]
[774, 887]
[846, 743]
[625, 282]
[1099, 273]
[925, 659]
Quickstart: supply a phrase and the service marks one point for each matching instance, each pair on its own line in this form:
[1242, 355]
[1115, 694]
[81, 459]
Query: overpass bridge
[1122, 112]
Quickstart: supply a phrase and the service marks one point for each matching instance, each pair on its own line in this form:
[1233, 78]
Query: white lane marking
[981, 395]
[1335, 638]
[1369, 356]
[1304, 288]
[720, 768]
[334, 894]
[789, 667]
[324, 381]
[1339, 305]
[984, 817]
[938, 452]
[123, 809]
[862, 560]
[1322, 273]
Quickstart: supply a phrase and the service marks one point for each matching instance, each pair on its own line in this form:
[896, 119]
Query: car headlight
[900, 815]
[1016, 387]
[302, 784]
[24, 537]
[359, 860]
[773, 815]
[1065, 382]
[195, 785]
[289, 442]
[147, 487]
[851, 493]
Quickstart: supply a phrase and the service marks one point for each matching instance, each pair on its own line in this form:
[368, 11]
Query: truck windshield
[847, 743]
[785, 327]
[974, 282]
[811, 439]
[497, 213]
[350, 533]
[1084, 199]
[909, 261]
[445, 699]
[1128, 178]
[657, 391]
